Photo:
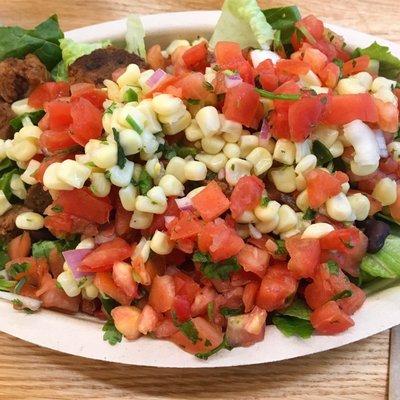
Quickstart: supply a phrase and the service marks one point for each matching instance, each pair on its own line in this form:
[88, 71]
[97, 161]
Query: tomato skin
[253, 259]
[304, 115]
[155, 58]
[246, 329]
[56, 299]
[122, 276]
[388, 116]
[276, 287]
[228, 55]
[162, 293]
[205, 296]
[148, 320]
[250, 295]
[267, 75]
[313, 25]
[46, 92]
[241, 104]
[324, 286]
[351, 304]
[246, 195]
[304, 256]
[89, 92]
[321, 185]
[345, 108]
[206, 331]
[193, 87]
[82, 203]
[105, 283]
[184, 227]
[292, 67]
[103, 257]
[126, 320]
[211, 202]
[219, 240]
[59, 114]
[330, 75]
[355, 65]
[86, 121]
[316, 59]
[52, 141]
[329, 319]
[195, 57]
[20, 246]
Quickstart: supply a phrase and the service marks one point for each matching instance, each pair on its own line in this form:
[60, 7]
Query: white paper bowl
[82, 337]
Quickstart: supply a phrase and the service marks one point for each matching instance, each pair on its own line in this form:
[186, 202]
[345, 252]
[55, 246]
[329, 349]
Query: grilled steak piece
[6, 115]
[38, 199]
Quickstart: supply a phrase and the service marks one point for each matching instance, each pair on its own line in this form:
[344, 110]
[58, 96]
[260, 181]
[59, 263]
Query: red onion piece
[221, 174]
[168, 219]
[155, 79]
[232, 80]
[254, 232]
[185, 203]
[74, 259]
[104, 237]
[265, 132]
[380, 139]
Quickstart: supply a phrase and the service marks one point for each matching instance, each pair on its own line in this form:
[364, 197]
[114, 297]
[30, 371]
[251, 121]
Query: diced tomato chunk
[267, 75]
[211, 202]
[219, 240]
[292, 67]
[355, 65]
[195, 57]
[209, 337]
[321, 185]
[148, 320]
[105, 283]
[162, 293]
[82, 203]
[388, 116]
[103, 257]
[89, 92]
[345, 108]
[46, 92]
[186, 226]
[304, 256]
[59, 114]
[253, 259]
[330, 75]
[351, 304]
[246, 195]
[250, 295]
[126, 320]
[329, 319]
[316, 59]
[123, 278]
[277, 286]
[314, 26]
[52, 141]
[228, 55]
[241, 104]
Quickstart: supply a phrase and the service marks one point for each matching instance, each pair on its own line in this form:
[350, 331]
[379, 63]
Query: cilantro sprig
[212, 270]
[111, 334]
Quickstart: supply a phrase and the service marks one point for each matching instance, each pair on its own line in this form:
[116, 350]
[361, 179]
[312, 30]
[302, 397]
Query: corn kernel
[208, 121]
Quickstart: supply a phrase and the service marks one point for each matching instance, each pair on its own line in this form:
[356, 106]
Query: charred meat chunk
[100, 64]
[6, 115]
[8, 229]
[19, 77]
[37, 198]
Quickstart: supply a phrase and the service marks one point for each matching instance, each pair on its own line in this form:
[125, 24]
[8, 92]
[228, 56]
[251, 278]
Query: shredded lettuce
[386, 262]
[135, 36]
[71, 51]
[389, 65]
[41, 41]
[242, 21]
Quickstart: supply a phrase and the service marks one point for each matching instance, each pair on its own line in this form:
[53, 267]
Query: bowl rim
[82, 336]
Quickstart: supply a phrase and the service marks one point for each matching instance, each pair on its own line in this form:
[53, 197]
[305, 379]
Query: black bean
[376, 232]
[41, 234]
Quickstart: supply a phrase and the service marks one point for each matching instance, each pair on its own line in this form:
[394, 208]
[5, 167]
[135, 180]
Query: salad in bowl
[200, 191]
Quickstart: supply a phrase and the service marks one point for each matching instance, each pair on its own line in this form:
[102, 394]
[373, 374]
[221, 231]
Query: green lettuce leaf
[41, 41]
[386, 262]
[389, 65]
[71, 51]
[283, 19]
[242, 21]
[291, 326]
[135, 36]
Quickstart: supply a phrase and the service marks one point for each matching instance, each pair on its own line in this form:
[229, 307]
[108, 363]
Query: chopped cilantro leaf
[121, 159]
[108, 303]
[19, 285]
[208, 86]
[342, 295]
[134, 124]
[193, 102]
[292, 326]
[322, 153]
[4, 258]
[17, 268]
[17, 304]
[111, 334]
[187, 328]
[230, 312]
[333, 267]
[207, 343]
[35, 117]
[221, 270]
[43, 248]
[277, 96]
[57, 208]
[174, 150]
[110, 109]
[309, 214]
[281, 250]
[224, 345]
[264, 201]
[297, 309]
[6, 285]
[210, 311]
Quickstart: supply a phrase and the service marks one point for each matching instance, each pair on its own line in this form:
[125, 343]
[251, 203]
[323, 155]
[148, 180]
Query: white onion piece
[233, 80]
[362, 138]
[254, 232]
[185, 203]
[27, 302]
[380, 139]
[258, 56]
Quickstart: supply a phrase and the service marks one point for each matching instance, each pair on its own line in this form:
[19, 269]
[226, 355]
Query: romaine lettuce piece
[242, 21]
[135, 36]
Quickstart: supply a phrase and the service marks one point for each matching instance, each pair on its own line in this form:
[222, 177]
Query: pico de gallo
[200, 191]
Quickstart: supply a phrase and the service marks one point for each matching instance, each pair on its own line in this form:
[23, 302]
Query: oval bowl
[82, 336]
